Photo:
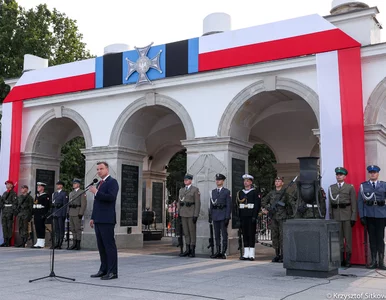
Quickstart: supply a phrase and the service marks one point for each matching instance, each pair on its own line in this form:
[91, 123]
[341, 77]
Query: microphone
[94, 181]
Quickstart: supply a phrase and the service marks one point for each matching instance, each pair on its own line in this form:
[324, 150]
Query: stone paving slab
[147, 276]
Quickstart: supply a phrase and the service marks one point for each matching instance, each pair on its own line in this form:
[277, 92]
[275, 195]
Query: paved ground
[158, 273]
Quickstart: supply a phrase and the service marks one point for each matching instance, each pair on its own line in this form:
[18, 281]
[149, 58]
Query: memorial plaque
[238, 170]
[47, 177]
[143, 195]
[129, 195]
[157, 200]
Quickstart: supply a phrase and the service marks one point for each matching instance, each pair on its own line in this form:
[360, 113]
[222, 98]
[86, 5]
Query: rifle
[180, 241]
[273, 209]
[240, 237]
[211, 241]
[19, 205]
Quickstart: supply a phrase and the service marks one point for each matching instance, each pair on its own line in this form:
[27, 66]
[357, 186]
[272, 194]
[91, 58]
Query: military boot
[73, 247]
[224, 253]
[373, 264]
[60, 244]
[4, 244]
[348, 260]
[217, 254]
[342, 262]
[193, 251]
[187, 251]
[381, 264]
[22, 243]
[281, 256]
[77, 244]
[277, 255]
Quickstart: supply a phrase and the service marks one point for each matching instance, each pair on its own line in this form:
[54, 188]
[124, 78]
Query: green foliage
[39, 31]
[73, 163]
[261, 166]
[175, 179]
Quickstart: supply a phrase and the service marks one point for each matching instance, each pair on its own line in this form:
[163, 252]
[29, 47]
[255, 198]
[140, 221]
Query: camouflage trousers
[7, 223]
[277, 234]
[23, 226]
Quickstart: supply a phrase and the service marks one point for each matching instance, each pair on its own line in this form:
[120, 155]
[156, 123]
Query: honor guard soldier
[24, 214]
[220, 208]
[189, 206]
[372, 213]
[76, 211]
[280, 211]
[248, 202]
[40, 211]
[8, 204]
[343, 208]
[59, 199]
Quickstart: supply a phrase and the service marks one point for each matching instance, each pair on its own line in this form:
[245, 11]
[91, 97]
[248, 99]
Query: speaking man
[103, 219]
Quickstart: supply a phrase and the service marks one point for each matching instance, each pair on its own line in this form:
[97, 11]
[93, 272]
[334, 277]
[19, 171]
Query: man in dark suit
[103, 219]
[59, 198]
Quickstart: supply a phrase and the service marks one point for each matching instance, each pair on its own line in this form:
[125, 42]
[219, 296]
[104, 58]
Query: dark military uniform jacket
[78, 206]
[59, 199]
[220, 206]
[24, 206]
[8, 203]
[342, 202]
[189, 202]
[371, 202]
[282, 212]
[42, 205]
[248, 203]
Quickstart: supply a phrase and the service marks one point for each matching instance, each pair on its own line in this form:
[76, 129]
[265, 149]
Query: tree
[261, 162]
[39, 31]
[73, 164]
[176, 170]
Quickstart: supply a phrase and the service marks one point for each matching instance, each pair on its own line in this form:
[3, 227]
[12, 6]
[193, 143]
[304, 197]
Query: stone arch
[280, 83]
[55, 113]
[152, 99]
[375, 103]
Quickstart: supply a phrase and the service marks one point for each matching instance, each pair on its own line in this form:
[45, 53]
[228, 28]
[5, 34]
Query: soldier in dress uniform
[40, 211]
[343, 208]
[76, 211]
[189, 205]
[279, 215]
[8, 204]
[220, 208]
[372, 213]
[59, 199]
[24, 214]
[248, 202]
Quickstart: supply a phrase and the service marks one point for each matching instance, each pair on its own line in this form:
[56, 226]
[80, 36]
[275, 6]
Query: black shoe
[77, 245]
[342, 261]
[223, 254]
[348, 260]
[99, 274]
[381, 264]
[217, 254]
[193, 251]
[3, 244]
[73, 245]
[277, 256]
[373, 264]
[187, 251]
[109, 276]
[280, 258]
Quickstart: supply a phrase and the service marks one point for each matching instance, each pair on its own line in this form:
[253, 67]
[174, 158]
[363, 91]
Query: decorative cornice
[375, 132]
[154, 175]
[114, 152]
[215, 144]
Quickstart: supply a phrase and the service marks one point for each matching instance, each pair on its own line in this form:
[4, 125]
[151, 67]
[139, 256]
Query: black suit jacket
[104, 202]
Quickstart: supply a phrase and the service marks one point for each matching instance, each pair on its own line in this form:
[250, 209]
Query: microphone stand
[52, 273]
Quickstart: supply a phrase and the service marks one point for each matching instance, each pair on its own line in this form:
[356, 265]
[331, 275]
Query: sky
[138, 23]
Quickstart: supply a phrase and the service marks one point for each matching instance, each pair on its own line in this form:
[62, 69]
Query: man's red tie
[100, 183]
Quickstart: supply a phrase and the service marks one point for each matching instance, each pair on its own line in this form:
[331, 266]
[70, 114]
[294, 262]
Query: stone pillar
[155, 181]
[126, 236]
[205, 158]
[375, 147]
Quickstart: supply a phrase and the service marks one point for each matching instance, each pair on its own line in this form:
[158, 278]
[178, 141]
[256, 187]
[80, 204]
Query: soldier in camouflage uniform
[8, 203]
[343, 208]
[24, 214]
[279, 216]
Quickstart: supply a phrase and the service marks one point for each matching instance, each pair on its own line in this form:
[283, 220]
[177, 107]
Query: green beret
[341, 170]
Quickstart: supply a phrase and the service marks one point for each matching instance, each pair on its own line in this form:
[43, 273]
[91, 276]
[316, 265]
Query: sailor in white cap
[248, 202]
[41, 208]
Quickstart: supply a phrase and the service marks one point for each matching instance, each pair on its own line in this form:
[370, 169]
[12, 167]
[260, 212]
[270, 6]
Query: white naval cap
[41, 183]
[247, 176]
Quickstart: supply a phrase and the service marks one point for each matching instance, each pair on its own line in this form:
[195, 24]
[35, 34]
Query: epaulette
[364, 182]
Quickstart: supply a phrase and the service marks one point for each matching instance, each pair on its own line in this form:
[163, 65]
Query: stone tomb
[311, 248]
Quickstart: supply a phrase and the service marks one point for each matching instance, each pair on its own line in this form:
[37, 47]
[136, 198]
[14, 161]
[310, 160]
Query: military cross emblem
[143, 65]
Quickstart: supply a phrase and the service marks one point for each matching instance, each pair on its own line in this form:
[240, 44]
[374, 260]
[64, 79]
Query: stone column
[116, 157]
[375, 147]
[205, 158]
[153, 181]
